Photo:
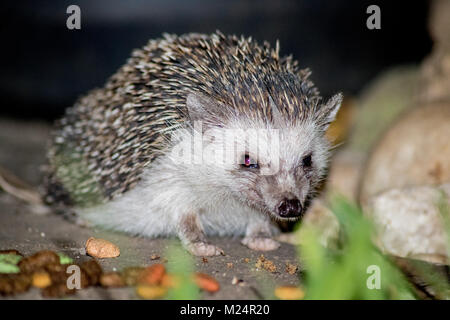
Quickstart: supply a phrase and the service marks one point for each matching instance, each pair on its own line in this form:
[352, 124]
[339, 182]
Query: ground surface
[22, 149]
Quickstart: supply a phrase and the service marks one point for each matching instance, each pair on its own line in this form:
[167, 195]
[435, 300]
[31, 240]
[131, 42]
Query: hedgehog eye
[307, 161]
[249, 163]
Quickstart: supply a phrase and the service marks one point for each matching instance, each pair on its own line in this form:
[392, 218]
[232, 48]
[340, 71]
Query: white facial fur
[279, 153]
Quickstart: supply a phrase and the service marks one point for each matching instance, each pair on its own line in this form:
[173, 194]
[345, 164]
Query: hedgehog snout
[289, 208]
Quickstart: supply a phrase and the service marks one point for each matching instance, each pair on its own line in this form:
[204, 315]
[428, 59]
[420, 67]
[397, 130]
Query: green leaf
[8, 268]
[10, 258]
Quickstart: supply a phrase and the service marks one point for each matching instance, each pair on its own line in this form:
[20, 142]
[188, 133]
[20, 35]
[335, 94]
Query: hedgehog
[195, 136]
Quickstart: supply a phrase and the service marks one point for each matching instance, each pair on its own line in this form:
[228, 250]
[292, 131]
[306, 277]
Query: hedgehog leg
[258, 236]
[193, 238]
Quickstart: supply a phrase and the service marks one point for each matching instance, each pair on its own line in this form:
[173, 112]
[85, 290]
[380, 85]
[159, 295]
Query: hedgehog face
[273, 167]
[269, 169]
[279, 175]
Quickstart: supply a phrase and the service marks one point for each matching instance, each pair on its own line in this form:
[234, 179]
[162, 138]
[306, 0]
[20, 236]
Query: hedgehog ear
[204, 109]
[329, 111]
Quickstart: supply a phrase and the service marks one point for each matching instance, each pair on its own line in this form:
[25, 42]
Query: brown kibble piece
[11, 251]
[246, 260]
[14, 283]
[38, 260]
[291, 268]
[204, 260]
[131, 275]
[152, 275]
[230, 265]
[206, 282]
[154, 257]
[57, 290]
[41, 280]
[112, 280]
[60, 276]
[92, 271]
[101, 248]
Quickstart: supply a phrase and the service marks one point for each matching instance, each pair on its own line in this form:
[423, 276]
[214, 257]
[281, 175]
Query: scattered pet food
[41, 280]
[111, 280]
[38, 261]
[150, 292]
[46, 270]
[131, 275]
[291, 268]
[154, 257]
[57, 290]
[91, 271]
[152, 275]
[230, 265]
[206, 282]
[205, 260]
[263, 263]
[8, 268]
[101, 248]
[8, 263]
[11, 251]
[42, 270]
[14, 283]
[10, 258]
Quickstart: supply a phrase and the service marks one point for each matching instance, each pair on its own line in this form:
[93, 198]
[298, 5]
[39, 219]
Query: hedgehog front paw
[201, 248]
[260, 244]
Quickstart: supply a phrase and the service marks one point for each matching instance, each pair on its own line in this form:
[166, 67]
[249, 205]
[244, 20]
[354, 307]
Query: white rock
[414, 152]
[409, 223]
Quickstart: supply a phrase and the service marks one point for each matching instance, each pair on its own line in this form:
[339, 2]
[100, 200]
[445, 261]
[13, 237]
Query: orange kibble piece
[206, 282]
[170, 281]
[289, 293]
[153, 274]
[41, 280]
[150, 292]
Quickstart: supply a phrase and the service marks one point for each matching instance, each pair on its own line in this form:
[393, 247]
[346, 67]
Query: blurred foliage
[348, 271]
[342, 272]
[181, 265]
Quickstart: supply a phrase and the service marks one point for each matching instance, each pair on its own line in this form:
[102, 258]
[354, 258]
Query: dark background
[44, 66]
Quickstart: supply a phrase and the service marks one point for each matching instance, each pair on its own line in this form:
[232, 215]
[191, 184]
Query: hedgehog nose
[289, 208]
